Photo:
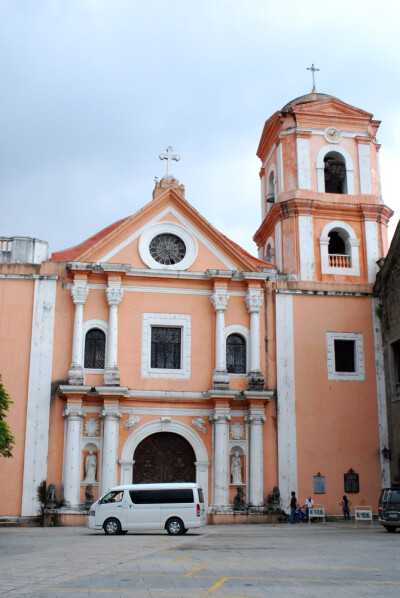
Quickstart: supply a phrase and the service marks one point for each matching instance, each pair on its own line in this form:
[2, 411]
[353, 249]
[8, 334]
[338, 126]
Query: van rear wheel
[390, 529]
[175, 527]
[112, 527]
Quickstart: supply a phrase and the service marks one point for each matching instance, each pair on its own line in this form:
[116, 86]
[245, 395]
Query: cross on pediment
[169, 156]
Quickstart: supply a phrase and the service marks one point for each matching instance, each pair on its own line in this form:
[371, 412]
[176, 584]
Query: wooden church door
[164, 457]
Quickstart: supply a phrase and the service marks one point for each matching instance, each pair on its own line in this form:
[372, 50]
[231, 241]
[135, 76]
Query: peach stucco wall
[337, 422]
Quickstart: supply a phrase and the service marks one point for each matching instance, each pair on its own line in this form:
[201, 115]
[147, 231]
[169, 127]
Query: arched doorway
[164, 457]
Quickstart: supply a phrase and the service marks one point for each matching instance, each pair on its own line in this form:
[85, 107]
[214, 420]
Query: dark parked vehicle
[389, 509]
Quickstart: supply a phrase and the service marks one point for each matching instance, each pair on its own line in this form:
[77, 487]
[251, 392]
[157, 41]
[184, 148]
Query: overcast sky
[94, 90]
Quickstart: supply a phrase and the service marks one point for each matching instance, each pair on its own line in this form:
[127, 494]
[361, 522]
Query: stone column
[256, 419]
[219, 300]
[111, 416]
[255, 379]
[79, 294]
[220, 418]
[114, 295]
[73, 415]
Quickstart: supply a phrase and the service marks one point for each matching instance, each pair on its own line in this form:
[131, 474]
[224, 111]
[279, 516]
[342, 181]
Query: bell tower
[323, 218]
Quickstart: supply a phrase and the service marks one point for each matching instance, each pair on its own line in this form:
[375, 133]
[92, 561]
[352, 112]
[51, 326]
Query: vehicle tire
[390, 529]
[175, 527]
[112, 527]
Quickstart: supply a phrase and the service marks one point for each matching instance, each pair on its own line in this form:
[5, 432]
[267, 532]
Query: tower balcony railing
[5, 249]
[337, 260]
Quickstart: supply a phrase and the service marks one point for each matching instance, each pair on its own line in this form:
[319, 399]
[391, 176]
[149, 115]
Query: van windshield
[112, 496]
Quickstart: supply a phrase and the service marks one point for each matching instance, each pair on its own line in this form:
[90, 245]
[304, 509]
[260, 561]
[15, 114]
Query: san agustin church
[158, 350]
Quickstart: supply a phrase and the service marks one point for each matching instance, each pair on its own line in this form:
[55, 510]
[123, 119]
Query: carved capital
[114, 295]
[254, 300]
[73, 413]
[79, 294]
[219, 299]
[222, 417]
[111, 413]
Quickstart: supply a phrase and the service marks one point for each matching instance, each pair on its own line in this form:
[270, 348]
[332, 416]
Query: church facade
[159, 350]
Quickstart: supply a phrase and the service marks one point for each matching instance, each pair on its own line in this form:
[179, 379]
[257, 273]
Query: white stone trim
[182, 321]
[88, 325]
[39, 395]
[245, 332]
[372, 248]
[172, 228]
[278, 246]
[175, 427]
[352, 244]
[358, 375]
[364, 164]
[306, 247]
[262, 191]
[185, 223]
[303, 163]
[381, 393]
[320, 165]
[286, 390]
[280, 169]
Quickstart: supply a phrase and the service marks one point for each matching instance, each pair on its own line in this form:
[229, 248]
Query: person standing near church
[309, 502]
[345, 504]
[293, 508]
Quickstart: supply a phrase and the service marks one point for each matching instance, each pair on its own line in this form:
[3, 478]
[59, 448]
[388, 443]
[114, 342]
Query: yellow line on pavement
[217, 585]
[195, 570]
[185, 556]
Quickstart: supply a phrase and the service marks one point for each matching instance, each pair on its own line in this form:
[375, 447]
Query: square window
[345, 356]
[319, 484]
[165, 347]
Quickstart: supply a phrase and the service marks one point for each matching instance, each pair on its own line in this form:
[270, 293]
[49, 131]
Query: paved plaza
[243, 561]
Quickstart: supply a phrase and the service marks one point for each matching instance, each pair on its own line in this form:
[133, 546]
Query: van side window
[151, 497]
[112, 496]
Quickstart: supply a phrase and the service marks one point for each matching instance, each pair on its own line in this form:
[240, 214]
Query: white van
[174, 507]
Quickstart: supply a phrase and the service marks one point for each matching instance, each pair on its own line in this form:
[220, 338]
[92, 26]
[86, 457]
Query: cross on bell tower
[313, 69]
[169, 156]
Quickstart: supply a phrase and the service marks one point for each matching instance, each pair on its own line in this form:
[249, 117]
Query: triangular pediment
[332, 107]
[128, 241]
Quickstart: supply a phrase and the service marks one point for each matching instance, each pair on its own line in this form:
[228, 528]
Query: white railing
[5, 249]
[339, 260]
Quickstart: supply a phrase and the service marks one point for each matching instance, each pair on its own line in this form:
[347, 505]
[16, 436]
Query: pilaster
[114, 294]
[79, 293]
[219, 300]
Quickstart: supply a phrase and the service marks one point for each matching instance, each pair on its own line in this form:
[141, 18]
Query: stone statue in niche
[51, 497]
[236, 469]
[90, 467]
[238, 500]
[89, 495]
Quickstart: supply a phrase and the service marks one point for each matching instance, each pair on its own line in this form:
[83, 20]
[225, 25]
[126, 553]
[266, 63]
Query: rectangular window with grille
[344, 355]
[165, 348]
[351, 483]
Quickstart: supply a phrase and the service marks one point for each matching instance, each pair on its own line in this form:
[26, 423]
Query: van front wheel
[112, 527]
[175, 527]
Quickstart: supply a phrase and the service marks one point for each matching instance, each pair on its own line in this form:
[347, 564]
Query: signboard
[362, 513]
[317, 511]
